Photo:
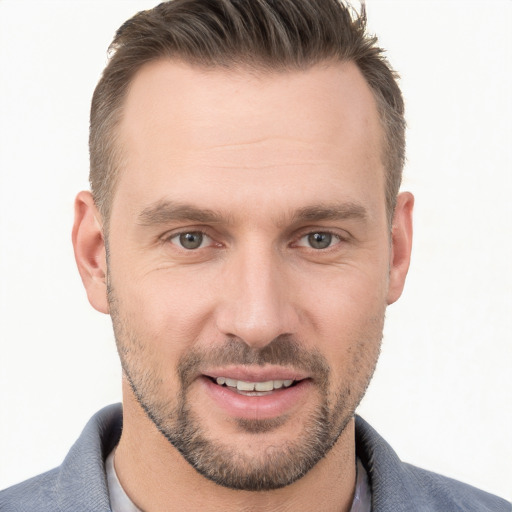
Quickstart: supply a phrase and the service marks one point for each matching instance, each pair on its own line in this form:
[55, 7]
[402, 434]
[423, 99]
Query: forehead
[246, 131]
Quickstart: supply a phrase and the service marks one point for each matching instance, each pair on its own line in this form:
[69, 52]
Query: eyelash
[338, 239]
[169, 238]
[337, 236]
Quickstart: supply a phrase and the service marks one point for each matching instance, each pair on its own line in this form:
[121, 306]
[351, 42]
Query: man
[245, 233]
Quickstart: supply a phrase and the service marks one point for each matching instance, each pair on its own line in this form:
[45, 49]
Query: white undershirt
[120, 502]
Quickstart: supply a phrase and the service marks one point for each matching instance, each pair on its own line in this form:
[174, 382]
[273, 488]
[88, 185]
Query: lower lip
[273, 405]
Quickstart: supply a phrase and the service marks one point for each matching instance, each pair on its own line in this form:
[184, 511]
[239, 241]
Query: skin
[261, 151]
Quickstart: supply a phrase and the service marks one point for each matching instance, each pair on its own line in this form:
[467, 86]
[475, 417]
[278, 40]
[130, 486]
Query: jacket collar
[81, 483]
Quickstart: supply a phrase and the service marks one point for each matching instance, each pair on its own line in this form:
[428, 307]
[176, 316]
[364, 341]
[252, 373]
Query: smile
[253, 388]
[256, 394]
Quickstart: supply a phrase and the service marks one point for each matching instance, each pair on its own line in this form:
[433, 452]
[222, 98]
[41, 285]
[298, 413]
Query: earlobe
[90, 253]
[401, 245]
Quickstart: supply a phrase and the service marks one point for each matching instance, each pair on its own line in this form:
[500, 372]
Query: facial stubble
[280, 464]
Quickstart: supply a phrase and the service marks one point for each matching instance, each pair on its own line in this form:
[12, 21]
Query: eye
[190, 240]
[318, 240]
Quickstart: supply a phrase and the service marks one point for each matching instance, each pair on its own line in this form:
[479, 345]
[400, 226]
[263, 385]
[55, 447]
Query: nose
[257, 302]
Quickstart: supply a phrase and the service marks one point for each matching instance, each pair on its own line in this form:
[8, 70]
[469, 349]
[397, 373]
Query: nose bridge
[256, 306]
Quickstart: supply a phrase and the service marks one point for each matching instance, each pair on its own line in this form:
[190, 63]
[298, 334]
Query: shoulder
[29, 495]
[459, 495]
[400, 487]
[79, 483]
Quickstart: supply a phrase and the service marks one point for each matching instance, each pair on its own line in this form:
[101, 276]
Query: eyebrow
[337, 211]
[164, 212]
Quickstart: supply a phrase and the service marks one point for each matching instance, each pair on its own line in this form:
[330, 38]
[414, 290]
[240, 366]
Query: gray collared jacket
[79, 483]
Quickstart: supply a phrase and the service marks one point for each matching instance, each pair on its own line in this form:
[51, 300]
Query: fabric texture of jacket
[79, 483]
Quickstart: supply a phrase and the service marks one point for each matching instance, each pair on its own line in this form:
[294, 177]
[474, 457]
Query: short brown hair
[261, 34]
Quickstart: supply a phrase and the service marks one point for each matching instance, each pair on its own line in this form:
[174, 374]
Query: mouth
[255, 389]
[256, 393]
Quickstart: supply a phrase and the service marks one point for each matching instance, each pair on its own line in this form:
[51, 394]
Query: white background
[442, 392]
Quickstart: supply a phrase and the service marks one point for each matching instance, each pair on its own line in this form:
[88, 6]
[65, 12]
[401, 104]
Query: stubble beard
[228, 466]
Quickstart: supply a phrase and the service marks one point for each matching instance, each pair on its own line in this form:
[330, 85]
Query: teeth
[245, 386]
[264, 386]
[241, 385]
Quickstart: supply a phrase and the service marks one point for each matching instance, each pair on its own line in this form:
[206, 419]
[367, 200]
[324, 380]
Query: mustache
[285, 350]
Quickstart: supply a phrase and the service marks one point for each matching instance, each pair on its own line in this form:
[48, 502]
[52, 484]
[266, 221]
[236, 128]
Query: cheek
[349, 295]
[166, 310]
[346, 316]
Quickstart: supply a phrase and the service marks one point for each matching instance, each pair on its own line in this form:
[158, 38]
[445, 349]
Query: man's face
[249, 258]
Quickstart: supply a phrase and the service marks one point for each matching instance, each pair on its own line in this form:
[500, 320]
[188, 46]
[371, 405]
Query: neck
[156, 477]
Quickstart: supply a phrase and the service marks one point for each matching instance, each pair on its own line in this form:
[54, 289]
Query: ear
[401, 245]
[90, 253]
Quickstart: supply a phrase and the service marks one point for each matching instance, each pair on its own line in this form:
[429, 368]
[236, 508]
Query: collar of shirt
[120, 502]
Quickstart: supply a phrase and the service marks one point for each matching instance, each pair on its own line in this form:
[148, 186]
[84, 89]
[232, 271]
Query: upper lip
[256, 373]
